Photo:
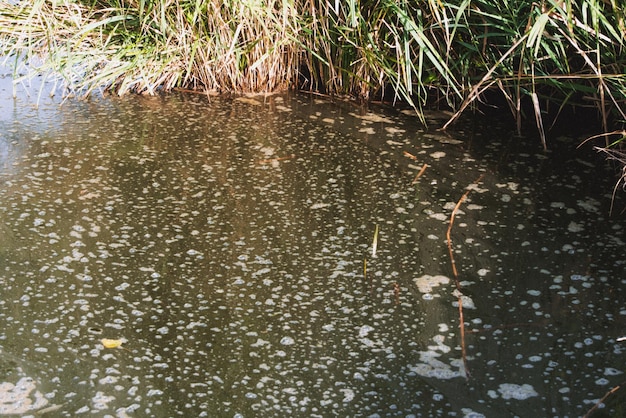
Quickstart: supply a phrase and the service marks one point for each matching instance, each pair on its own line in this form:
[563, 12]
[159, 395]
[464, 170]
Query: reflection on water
[227, 244]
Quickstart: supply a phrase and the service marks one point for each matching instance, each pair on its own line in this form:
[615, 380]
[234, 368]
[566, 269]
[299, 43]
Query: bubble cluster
[21, 398]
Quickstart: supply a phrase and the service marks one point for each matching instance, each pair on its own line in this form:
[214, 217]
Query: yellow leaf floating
[109, 343]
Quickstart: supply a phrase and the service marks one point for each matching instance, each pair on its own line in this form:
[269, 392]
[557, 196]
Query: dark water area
[286, 256]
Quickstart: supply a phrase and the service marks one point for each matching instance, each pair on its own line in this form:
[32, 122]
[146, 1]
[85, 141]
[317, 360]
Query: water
[228, 246]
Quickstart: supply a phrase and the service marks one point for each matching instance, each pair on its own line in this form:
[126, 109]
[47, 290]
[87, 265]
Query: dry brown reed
[455, 273]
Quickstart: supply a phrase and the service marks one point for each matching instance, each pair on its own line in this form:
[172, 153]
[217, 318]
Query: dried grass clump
[138, 46]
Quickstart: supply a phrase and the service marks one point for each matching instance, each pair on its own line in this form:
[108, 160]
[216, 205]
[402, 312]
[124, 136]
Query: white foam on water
[483, 272]
[432, 366]
[348, 395]
[468, 302]
[287, 341]
[610, 371]
[472, 206]
[468, 413]
[575, 227]
[364, 330]
[426, 283]
[439, 216]
[518, 392]
[21, 397]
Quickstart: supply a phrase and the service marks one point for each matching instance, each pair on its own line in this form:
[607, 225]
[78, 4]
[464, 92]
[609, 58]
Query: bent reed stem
[456, 277]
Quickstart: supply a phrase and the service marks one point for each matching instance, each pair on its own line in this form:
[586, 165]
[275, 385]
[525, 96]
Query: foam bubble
[513, 391]
[21, 397]
[426, 283]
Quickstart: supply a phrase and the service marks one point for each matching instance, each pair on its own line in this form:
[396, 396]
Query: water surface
[228, 245]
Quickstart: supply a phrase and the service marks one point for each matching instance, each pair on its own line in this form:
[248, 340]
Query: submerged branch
[604, 398]
[456, 276]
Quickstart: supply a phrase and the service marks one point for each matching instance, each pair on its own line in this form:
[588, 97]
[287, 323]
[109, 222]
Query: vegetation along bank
[537, 58]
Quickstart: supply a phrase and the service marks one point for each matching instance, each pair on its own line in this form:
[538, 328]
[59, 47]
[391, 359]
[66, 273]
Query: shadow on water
[224, 243]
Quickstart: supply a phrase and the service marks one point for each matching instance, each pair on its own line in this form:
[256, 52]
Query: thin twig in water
[396, 292]
[419, 174]
[371, 284]
[621, 158]
[456, 278]
[609, 393]
[375, 242]
[621, 133]
[409, 155]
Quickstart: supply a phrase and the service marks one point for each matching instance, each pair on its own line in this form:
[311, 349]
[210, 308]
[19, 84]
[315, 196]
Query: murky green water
[224, 242]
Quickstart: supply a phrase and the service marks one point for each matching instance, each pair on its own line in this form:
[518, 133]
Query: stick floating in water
[375, 242]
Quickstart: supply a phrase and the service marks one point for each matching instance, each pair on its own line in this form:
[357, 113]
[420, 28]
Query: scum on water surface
[221, 246]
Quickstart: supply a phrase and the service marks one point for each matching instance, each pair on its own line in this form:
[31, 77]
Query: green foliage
[546, 53]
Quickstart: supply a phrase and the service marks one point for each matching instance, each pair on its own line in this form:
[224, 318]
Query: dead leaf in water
[109, 343]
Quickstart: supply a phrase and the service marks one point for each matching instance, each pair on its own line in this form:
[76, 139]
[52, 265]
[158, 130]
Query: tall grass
[538, 56]
[553, 53]
[142, 46]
